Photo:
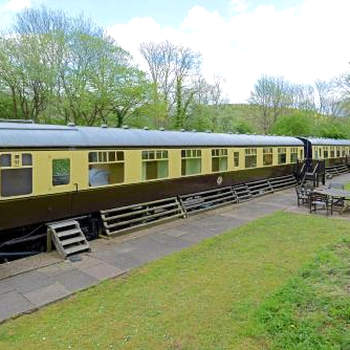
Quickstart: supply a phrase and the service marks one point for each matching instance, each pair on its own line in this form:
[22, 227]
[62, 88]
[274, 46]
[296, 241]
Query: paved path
[110, 258]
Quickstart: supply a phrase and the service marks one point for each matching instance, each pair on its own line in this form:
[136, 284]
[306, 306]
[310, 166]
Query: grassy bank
[204, 297]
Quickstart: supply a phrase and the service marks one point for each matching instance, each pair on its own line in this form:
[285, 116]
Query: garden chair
[322, 202]
[302, 195]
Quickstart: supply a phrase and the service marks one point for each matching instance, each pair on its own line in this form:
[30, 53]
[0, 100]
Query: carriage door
[61, 182]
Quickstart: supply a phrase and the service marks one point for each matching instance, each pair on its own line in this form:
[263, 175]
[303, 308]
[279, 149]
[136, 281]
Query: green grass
[209, 296]
[312, 311]
[347, 186]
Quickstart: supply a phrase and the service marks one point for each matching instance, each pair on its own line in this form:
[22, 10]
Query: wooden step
[67, 237]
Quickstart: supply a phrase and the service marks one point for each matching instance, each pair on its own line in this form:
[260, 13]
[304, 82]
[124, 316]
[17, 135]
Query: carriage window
[267, 156]
[60, 171]
[106, 168]
[191, 162]
[325, 152]
[343, 152]
[236, 159]
[332, 152]
[26, 159]
[282, 156]
[250, 157]
[301, 154]
[5, 160]
[155, 165]
[293, 155]
[219, 159]
[16, 178]
[338, 151]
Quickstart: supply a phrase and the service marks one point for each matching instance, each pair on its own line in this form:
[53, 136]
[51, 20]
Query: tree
[272, 96]
[295, 124]
[64, 68]
[171, 69]
[303, 97]
[328, 97]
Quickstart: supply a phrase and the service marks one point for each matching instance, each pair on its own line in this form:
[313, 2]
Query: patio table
[338, 196]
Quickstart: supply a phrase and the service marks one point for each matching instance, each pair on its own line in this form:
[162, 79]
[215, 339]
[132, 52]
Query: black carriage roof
[17, 135]
[320, 141]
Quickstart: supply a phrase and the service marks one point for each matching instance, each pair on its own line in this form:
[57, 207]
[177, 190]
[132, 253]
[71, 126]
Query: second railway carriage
[332, 151]
[50, 173]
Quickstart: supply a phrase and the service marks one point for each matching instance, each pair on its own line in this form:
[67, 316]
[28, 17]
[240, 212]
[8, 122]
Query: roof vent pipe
[125, 126]
[161, 129]
[182, 130]
[104, 126]
[70, 124]
[146, 128]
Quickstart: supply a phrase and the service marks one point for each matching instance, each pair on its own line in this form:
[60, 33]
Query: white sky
[302, 43]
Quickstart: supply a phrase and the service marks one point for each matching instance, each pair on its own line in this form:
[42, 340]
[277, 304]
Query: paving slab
[75, 280]
[28, 264]
[101, 271]
[13, 303]
[29, 281]
[123, 261]
[46, 295]
[57, 269]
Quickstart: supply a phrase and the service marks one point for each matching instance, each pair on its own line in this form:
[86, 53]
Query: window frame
[279, 153]
[236, 152]
[15, 165]
[293, 150]
[119, 158]
[154, 155]
[267, 151]
[250, 152]
[220, 154]
[70, 171]
[325, 152]
[188, 154]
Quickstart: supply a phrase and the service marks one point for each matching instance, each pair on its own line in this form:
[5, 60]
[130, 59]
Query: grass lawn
[215, 295]
[347, 186]
[312, 311]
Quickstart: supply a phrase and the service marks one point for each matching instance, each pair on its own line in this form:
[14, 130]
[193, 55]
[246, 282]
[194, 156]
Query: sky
[239, 40]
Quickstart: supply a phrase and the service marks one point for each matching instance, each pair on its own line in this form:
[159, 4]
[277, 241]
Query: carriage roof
[18, 135]
[320, 141]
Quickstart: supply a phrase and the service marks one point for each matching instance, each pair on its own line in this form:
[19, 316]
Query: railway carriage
[332, 151]
[50, 173]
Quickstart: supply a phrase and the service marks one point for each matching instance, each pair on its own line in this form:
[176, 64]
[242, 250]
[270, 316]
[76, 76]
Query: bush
[296, 124]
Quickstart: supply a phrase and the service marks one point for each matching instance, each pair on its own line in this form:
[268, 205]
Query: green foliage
[295, 124]
[312, 311]
[6, 106]
[200, 119]
[332, 128]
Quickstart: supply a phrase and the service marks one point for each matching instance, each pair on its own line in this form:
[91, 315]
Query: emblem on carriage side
[219, 180]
